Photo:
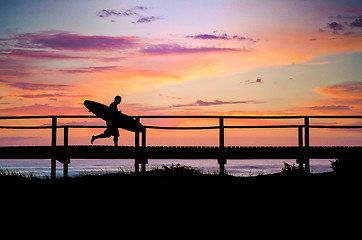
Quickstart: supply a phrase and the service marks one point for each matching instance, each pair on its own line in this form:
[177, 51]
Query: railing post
[137, 147]
[306, 143]
[300, 160]
[54, 145]
[66, 158]
[221, 159]
[144, 159]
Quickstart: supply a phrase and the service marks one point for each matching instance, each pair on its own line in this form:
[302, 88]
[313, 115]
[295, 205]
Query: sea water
[41, 168]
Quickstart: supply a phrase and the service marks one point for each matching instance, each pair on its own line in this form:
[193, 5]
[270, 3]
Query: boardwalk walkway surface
[111, 152]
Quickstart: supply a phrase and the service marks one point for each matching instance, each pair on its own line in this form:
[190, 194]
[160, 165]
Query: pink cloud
[42, 109]
[221, 37]
[88, 70]
[330, 108]
[203, 103]
[63, 40]
[166, 49]
[37, 54]
[51, 96]
[34, 86]
[5, 72]
[172, 97]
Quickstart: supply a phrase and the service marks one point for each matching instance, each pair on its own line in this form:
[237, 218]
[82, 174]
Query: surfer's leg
[115, 136]
[115, 140]
[102, 135]
[96, 137]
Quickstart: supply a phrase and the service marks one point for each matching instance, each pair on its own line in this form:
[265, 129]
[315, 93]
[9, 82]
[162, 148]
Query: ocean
[41, 168]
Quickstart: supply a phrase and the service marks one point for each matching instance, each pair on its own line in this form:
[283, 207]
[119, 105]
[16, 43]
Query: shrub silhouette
[346, 165]
[290, 168]
[175, 170]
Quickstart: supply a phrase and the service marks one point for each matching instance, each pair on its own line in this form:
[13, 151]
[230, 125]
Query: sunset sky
[192, 57]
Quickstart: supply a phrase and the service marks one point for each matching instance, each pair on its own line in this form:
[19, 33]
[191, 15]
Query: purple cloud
[220, 37]
[88, 69]
[62, 40]
[210, 36]
[331, 108]
[216, 102]
[37, 54]
[335, 26]
[51, 96]
[258, 80]
[347, 27]
[133, 12]
[34, 86]
[128, 12]
[147, 19]
[357, 23]
[43, 109]
[12, 72]
[42, 95]
[83, 43]
[344, 17]
[108, 13]
[165, 49]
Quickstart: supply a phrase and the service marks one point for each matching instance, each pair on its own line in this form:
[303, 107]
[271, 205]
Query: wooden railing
[303, 138]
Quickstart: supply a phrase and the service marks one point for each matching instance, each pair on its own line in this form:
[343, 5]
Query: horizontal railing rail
[186, 128]
[178, 128]
[190, 116]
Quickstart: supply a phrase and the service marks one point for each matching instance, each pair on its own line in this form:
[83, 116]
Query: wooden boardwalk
[141, 153]
[63, 154]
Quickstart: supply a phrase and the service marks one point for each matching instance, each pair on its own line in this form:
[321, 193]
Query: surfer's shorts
[111, 131]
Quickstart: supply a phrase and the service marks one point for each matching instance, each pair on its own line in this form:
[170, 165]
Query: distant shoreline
[248, 168]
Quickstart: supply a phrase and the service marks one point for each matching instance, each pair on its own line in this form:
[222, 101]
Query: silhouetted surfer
[112, 129]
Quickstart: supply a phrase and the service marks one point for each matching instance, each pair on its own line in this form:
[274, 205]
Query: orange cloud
[339, 99]
[348, 90]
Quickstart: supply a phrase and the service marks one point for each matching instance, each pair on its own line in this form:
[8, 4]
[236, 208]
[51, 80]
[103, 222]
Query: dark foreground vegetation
[185, 180]
[182, 192]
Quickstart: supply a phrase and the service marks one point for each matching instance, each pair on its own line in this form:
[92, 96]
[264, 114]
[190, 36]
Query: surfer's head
[118, 99]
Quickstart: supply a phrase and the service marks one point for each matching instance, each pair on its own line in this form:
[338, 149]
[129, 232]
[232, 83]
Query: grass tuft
[5, 172]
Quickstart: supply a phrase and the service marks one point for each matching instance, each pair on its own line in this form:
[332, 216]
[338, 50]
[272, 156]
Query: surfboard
[121, 120]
